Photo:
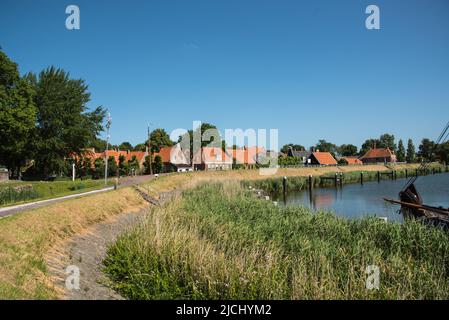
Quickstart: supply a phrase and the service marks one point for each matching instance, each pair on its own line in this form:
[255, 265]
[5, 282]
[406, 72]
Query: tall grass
[219, 242]
[12, 195]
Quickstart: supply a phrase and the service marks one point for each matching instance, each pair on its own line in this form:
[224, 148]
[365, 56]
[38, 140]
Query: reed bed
[218, 241]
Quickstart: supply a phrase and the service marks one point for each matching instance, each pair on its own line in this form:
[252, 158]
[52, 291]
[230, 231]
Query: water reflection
[356, 200]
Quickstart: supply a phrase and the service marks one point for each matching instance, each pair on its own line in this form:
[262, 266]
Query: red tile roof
[353, 160]
[324, 158]
[215, 154]
[378, 153]
[164, 153]
[246, 155]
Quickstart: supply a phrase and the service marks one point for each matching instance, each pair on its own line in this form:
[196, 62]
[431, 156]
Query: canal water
[356, 200]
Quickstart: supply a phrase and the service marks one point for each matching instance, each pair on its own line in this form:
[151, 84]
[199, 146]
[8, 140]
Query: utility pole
[149, 150]
[108, 125]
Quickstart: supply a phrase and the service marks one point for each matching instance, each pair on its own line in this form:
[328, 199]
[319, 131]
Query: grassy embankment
[219, 242]
[26, 239]
[12, 193]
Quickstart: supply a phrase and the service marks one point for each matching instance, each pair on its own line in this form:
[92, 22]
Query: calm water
[356, 200]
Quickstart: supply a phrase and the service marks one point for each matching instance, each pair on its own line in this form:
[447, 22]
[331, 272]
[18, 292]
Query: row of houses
[374, 155]
[176, 159]
[215, 158]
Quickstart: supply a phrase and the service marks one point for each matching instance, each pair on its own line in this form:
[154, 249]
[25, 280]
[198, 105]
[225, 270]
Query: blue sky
[309, 68]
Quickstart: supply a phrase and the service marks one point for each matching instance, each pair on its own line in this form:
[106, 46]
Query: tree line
[427, 150]
[43, 118]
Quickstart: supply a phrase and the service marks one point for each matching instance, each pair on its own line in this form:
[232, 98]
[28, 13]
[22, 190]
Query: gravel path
[87, 251]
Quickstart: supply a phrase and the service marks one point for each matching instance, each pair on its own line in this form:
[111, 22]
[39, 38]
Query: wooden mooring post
[361, 177]
[406, 173]
[378, 176]
[310, 182]
[341, 180]
[416, 172]
[336, 179]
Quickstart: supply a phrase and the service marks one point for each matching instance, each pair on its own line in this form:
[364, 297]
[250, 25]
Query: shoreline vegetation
[217, 241]
[27, 238]
[14, 193]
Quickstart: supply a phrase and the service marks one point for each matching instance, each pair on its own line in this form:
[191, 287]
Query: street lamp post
[108, 125]
[149, 150]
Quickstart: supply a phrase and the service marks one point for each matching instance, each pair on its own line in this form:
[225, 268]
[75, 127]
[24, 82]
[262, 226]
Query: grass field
[26, 238]
[12, 193]
[219, 242]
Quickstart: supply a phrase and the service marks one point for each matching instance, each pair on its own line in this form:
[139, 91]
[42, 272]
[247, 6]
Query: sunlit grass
[219, 242]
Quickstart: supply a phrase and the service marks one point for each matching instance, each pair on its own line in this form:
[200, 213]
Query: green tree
[367, 145]
[140, 147]
[98, 171]
[325, 146]
[401, 156]
[158, 139]
[157, 164]
[122, 165]
[112, 167]
[426, 150]
[387, 141]
[147, 165]
[347, 150]
[98, 144]
[64, 124]
[17, 116]
[443, 152]
[411, 152]
[286, 147]
[133, 165]
[125, 146]
[205, 127]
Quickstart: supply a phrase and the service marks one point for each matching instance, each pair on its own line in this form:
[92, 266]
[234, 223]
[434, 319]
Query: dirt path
[87, 251]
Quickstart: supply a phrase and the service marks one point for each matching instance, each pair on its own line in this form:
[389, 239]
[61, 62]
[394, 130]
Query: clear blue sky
[309, 68]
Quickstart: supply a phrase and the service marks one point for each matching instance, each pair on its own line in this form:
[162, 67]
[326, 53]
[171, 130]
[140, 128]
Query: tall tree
[122, 165]
[426, 150]
[205, 127]
[347, 150]
[157, 164]
[17, 116]
[64, 124]
[401, 151]
[387, 141]
[125, 146]
[369, 144]
[159, 138]
[443, 152]
[325, 146]
[411, 152]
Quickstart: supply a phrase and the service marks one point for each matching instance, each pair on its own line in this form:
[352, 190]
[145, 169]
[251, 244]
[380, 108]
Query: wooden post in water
[378, 176]
[361, 177]
[336, 179]
[406, 173]
[341, 179]
[310, 183]
[416, 171]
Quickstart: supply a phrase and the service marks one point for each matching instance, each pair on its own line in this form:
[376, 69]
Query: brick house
[322, 158]
[212, 158]
[378, 155]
